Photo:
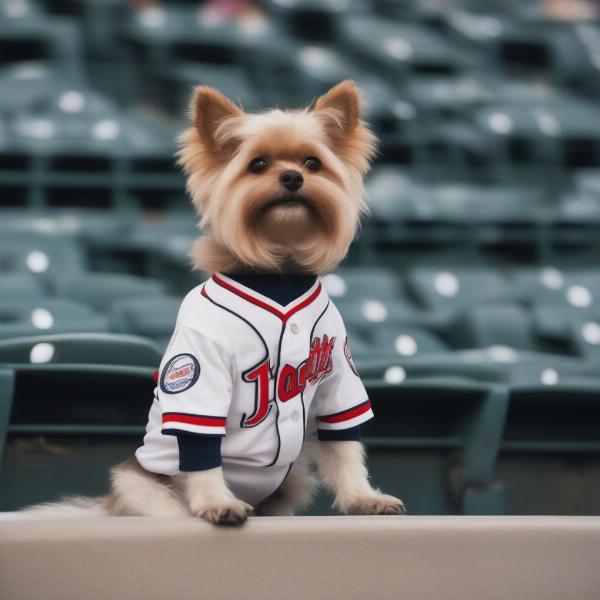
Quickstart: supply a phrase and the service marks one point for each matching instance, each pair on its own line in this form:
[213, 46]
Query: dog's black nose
[291, 180]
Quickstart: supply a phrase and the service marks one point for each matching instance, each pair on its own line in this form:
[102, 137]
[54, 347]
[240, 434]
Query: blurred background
[471, 296]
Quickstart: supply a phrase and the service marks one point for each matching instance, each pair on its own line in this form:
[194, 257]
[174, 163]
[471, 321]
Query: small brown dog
[258, 380]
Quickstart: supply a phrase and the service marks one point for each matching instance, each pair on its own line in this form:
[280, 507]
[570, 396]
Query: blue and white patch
[180, 374]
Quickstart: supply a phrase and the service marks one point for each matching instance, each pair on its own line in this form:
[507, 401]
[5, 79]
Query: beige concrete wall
[312, 558]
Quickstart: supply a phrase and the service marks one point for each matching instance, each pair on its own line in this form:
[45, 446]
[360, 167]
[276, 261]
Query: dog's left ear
[341, 105]
[340, 110]
[209, 110]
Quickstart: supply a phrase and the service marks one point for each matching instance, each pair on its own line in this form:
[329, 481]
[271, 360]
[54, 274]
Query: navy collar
[282, 288]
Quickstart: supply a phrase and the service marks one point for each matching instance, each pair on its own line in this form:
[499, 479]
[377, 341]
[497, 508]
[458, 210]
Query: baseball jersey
[262, 375]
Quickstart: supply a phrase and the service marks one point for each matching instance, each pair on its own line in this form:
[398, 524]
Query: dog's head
[280, 189]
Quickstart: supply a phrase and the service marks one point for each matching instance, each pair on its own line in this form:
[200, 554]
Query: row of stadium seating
[49, 272]
[434, 102]
[447, 439]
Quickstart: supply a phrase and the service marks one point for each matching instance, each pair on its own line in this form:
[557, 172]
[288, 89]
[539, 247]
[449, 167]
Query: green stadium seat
[457, 288]
[440, 434]
[498, 204]
[23, 83]
[27, 34]
[87, 225]
[587, 181]
[28, 317]
[178, 80]
[393, 196]
[581, 210]
[314, 19]
[373, 313]
[19, 286]
[405, 341]
[400, 48]
[68, 424]
[81, 349]
[101, 290]
[152, 318]
[560, 133]
[585, 336]
[578, 289]
[363, 283]
[551, 431]
[445, 95]
[43, 255]
[78, 403]
[580, 331]
[507, 326]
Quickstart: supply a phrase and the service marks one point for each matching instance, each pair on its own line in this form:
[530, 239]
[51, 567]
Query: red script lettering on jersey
[291, 381]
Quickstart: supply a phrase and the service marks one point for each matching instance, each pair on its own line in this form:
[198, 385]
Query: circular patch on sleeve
[348, 356]
[180, 374]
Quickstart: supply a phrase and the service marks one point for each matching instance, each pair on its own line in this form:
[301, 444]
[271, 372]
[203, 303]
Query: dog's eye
[257, 165]
[312, 163]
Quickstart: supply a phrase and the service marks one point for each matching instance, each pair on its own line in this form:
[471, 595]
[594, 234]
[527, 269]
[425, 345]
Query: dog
[280, 196]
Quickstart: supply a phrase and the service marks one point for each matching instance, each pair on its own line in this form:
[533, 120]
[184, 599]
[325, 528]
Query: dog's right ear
[210, 109]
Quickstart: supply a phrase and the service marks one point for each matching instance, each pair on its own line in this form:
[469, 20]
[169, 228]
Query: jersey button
[295, 416]
[294, 328]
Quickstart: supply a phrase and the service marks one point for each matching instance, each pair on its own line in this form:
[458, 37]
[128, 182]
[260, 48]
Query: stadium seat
[508, 326]
[233, 81]
[68, 425]
[28, 317]
[19, 286]
[400, 48]
[81, 349]
[446, 95]
[314, 19]
[153, 318]
[363, 283]
[43, 255]
[457, 289]
[373, 314]
[80, 404]
[405, 341]
[29, 34]
[555, 134]
[577, 289]
[579, 331]
[438, 433]
[393, 196]
[550, 431]
[101, 290]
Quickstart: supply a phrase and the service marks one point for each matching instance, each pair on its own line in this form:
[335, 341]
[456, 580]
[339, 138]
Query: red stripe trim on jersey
[284, 316]
[203, 420]
[348, 414]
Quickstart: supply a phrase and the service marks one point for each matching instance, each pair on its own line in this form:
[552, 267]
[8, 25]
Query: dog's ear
[341, 108]
[210, 109]
[340, 111]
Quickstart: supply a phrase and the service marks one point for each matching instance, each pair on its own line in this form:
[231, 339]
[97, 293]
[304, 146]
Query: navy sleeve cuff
[339, 435]
[198, 452]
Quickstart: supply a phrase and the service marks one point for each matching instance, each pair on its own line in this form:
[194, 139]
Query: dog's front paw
[230, 514]
[375, 504]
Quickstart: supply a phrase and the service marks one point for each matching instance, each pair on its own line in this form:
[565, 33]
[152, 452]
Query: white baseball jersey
[262, 375]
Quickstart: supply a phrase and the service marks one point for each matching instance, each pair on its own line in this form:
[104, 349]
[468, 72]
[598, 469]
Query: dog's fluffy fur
[242, 225]
[250, 221]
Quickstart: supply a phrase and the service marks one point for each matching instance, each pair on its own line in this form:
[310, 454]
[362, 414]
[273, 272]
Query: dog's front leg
[209, 498]
[343, 471]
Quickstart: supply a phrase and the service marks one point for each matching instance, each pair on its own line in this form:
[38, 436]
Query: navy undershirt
[282, 288]
[199, 451]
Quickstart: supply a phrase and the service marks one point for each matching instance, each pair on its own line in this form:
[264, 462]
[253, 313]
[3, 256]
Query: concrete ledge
[312, 558]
